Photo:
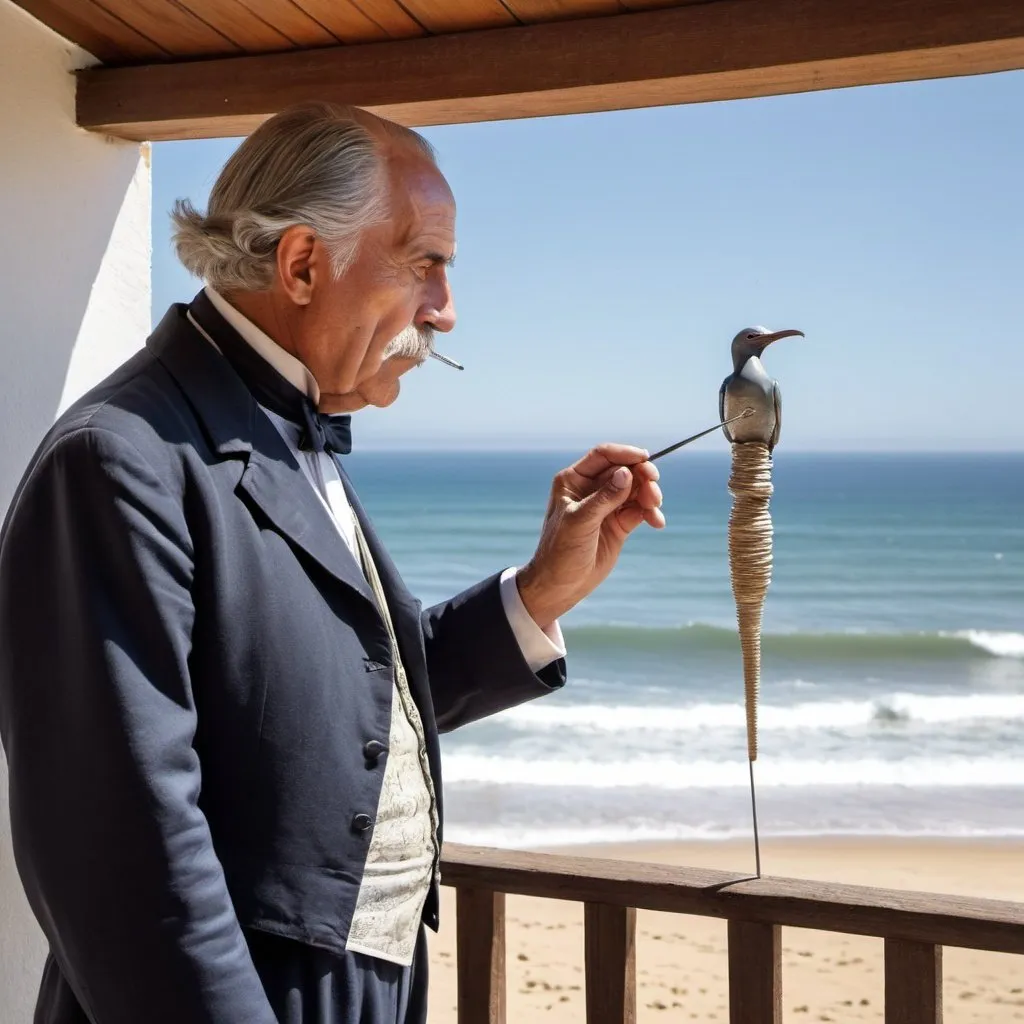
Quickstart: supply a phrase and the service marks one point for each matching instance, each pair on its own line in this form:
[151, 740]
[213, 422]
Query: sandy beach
[681, 963]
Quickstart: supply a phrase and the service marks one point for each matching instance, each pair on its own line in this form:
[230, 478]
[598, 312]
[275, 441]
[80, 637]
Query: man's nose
[439, 310]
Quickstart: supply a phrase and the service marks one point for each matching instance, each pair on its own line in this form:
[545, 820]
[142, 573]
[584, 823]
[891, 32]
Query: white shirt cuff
[540, 647]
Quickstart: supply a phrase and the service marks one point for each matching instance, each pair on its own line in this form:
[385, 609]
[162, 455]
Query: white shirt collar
[285, 363]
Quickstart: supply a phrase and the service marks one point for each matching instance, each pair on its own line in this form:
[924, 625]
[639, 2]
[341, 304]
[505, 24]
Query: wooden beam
[610, 957]
[717, 50]
[913, 982]
[755, 973]
[480, 953]
[828, 906]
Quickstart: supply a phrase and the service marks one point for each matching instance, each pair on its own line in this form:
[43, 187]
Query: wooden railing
[914, 927]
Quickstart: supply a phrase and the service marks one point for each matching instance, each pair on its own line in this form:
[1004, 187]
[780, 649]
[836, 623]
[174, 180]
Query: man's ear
[300, 259]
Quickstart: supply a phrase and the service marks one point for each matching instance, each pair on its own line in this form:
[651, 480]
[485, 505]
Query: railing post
[610, 955]
[913, 982]
[755, 973]
[480, 939]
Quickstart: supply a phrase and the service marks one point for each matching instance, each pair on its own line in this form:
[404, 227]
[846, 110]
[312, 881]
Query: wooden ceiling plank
[237, 22]
[95, 29]
[290, 19]
[392, 17]
[531, 11]
[344, 21]
[440, 16]
[712, 51]
[173, 26]
[650, 5]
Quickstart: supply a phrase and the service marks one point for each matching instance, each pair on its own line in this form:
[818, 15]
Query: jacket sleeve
[475, 663]
[98, 715]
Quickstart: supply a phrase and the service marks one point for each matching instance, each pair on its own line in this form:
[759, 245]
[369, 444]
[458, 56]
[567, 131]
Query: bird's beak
[766, 339]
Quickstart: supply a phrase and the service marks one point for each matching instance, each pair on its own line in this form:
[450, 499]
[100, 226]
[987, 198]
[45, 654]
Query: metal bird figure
[749, 386]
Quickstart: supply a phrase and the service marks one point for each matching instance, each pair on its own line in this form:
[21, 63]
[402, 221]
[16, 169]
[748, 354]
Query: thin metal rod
[703, 433]
[447, 360]
[753, 811]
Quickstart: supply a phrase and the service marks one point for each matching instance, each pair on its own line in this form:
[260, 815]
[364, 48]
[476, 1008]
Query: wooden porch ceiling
[199, 68]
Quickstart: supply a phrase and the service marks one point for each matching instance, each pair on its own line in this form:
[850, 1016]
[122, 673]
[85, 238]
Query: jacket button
[362, 823]
[374, 750]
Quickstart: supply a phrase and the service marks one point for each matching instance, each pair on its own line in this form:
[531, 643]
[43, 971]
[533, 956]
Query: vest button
[374, 750]
[362, 823]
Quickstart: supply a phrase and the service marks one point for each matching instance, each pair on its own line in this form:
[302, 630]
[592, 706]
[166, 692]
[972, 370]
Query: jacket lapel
[281, 491]
[237, 428]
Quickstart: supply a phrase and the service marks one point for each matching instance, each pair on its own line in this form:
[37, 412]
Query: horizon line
[446, 447]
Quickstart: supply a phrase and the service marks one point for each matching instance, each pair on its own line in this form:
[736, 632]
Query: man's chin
[334, 405]
[380, 390]
[385, 395]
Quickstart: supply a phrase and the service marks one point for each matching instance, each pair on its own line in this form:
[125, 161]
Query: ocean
[892, 696]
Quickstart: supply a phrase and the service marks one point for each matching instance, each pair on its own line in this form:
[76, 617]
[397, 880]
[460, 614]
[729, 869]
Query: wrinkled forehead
[420, 200]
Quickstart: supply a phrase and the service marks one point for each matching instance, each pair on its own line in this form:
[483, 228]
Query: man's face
[398, 280]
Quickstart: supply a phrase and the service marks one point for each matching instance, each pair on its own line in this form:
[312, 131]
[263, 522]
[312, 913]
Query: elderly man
[219, 703]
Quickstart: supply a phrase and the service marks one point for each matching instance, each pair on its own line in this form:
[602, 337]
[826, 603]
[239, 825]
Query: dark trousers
[307, 985]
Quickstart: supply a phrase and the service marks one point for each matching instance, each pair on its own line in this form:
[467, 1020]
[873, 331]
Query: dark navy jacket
[191, 668]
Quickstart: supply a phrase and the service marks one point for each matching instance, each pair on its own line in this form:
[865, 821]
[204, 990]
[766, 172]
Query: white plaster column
[75, 290]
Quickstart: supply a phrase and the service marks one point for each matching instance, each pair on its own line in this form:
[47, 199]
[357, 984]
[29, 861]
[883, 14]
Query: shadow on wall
[74, 281]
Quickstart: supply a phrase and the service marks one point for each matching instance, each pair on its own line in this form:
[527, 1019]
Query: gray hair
[317, 165]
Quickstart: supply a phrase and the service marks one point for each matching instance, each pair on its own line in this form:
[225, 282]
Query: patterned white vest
[403, 855]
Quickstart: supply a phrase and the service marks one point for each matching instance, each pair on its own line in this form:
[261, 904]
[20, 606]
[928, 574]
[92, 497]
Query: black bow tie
[318, 431]
[322, 432]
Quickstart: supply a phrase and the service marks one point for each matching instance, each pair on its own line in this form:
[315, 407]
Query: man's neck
[260, 309]
[243, 310]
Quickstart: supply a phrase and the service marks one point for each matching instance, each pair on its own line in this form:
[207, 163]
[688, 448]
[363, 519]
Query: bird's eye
[751, 337]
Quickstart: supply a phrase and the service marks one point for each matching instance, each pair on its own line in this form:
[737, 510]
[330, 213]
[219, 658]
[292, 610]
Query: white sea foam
[1002, 645]
[666, 774]
[892, 709]
[544, 835]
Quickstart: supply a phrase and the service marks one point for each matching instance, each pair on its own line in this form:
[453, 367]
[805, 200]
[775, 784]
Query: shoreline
[681, 962]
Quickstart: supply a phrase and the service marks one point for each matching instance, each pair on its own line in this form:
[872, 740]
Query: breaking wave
[677, 774]
[961, 645]
[889, 711]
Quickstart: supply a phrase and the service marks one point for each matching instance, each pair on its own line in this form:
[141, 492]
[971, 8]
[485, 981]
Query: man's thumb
[609, 496]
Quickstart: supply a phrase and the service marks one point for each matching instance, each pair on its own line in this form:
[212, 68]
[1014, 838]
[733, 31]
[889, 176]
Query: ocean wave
[1000, 645]
[545, 835]
[665, 774]
[699, 638]
[891, 710]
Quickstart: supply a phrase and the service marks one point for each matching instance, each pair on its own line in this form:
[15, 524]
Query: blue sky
[606, 260]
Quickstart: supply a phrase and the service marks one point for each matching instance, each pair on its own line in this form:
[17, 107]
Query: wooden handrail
[931, 920]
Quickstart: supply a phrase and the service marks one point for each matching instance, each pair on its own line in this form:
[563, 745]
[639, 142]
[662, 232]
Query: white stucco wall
[75, 290]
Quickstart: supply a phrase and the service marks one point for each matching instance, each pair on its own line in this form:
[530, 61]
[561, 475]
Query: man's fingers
[647, 494]
[613, 492]
[629, 517]
[599, 459]
[654, 517]
[646, 471]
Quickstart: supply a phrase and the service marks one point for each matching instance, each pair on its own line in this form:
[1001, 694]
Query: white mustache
[412, 343]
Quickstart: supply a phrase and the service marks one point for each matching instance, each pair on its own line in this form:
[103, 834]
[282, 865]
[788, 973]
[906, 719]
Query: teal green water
[893, 694]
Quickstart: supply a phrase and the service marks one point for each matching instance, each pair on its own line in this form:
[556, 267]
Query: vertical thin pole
[753, 811]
